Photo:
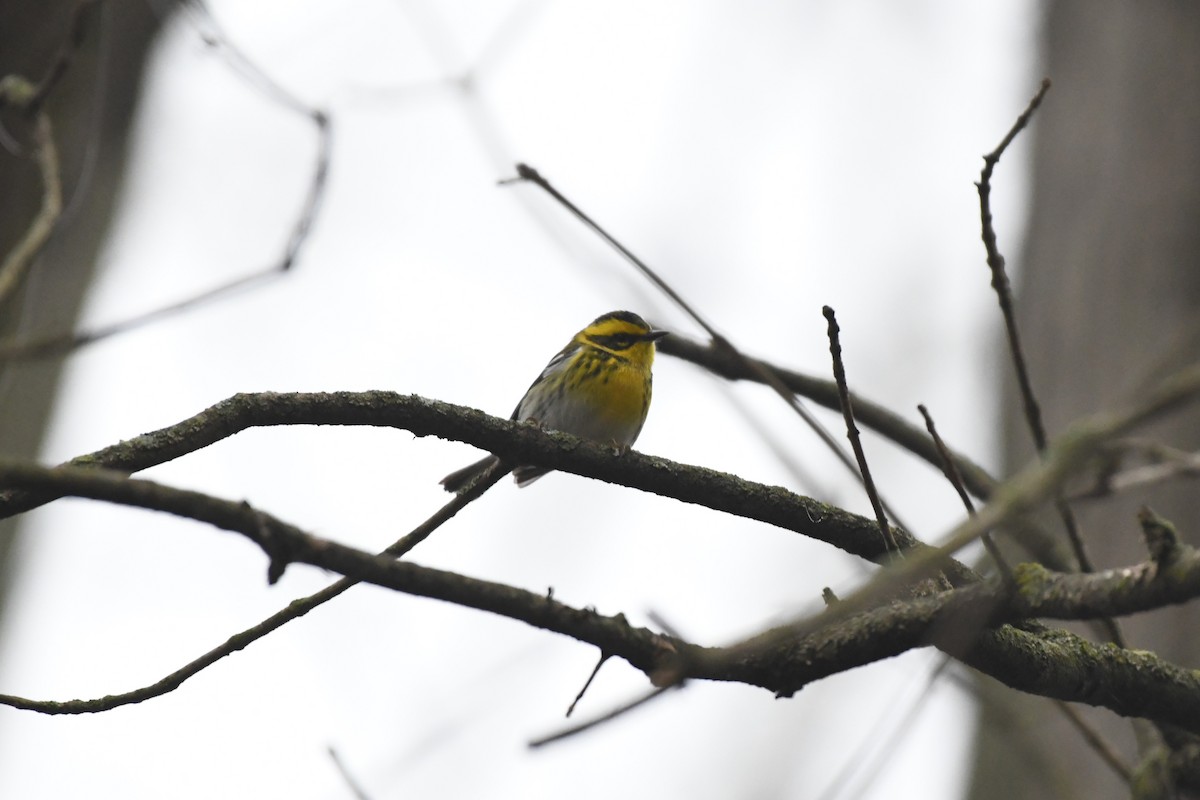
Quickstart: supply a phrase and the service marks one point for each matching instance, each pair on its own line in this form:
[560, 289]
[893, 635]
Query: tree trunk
[1108, 295]
[91, 109]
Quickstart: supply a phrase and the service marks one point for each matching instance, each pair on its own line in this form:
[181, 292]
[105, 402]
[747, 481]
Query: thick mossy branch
[1058, 664]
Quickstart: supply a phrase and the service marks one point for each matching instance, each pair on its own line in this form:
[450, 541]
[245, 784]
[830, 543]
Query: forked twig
[239, 641]
[1003, 289]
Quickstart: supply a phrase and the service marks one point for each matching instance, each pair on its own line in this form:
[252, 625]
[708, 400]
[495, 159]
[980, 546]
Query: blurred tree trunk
[1108, 297]
[91, 109]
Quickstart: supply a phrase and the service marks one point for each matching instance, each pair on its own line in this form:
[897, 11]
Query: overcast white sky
[766, 158]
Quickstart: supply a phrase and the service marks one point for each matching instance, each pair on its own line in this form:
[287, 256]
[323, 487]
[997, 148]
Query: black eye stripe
[617, 341]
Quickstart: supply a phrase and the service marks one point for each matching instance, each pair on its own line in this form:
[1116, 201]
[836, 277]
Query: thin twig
[294, 610]
[216, 37]
[575, 730]
[586, 684]
[352, 784]
[995, 262]
[950, 469]
[1170, 463]
[839, 376]
[1003, 289]
[1021, 494]
[824, 392]
[874, 751]
[62, 343]
[1106, 750]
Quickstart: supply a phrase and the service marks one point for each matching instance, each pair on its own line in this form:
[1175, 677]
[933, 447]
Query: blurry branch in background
[1162, 463]
[14, 91]
[28, 99]
[351, 782]
[619, 711]
[874, 751]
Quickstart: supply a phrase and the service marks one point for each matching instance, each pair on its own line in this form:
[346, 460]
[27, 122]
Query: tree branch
[515, 442]
[1052, 663]
[720, 362]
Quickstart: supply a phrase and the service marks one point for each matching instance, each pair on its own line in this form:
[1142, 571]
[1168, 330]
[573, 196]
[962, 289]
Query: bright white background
[767, 158]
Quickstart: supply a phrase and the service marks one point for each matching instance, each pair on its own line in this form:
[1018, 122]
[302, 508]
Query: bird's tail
[460, 479]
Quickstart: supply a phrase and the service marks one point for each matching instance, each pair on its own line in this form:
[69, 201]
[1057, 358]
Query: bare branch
[995, 262]
[839, 377]
[824, 392]
[950, 469]
[1024, 492]
[515, 443]
[1003, 289]
[621, 710]
[1052, 663]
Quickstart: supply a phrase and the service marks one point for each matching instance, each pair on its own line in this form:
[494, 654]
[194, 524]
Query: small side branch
[825, 393]
[952, 474]
[839, 376]
[995, 262]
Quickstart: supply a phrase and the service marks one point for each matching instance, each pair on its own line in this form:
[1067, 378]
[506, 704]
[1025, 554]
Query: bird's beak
[654, 336]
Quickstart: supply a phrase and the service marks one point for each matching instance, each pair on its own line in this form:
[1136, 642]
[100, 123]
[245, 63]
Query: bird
[597, 387]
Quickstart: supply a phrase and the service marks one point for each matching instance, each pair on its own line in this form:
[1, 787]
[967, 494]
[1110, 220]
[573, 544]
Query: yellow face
[624, 335]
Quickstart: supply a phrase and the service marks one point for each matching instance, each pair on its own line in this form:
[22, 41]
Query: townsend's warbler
[597, 387]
